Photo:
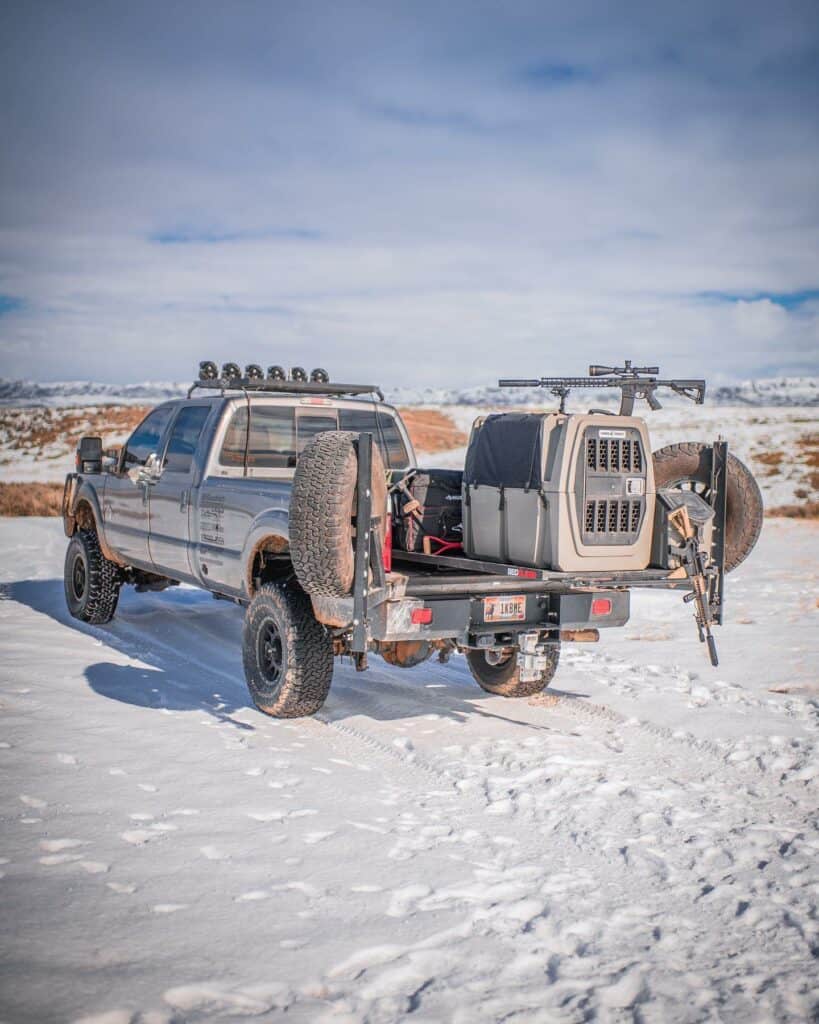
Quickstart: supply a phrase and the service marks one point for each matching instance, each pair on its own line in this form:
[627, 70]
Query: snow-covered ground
[641, 845]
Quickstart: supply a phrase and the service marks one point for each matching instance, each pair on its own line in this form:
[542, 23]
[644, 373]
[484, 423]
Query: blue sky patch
[549, 76]
[788, 300]
[9, 304]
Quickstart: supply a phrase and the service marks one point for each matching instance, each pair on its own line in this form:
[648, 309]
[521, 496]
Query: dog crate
[557, 491]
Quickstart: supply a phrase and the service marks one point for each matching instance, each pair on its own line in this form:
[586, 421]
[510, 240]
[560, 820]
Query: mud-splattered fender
[269, 531]
[81, 511]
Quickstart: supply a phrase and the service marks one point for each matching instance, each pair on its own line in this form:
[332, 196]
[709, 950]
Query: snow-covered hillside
[780, 444]
[641, 845]
[775, 391]
[780, 391]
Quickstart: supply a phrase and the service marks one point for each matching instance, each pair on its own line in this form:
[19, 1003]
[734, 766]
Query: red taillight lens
[386, 550]
[421, 616]
[601, 606]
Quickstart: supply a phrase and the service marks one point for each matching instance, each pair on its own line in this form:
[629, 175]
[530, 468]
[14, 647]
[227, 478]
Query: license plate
[504, 609]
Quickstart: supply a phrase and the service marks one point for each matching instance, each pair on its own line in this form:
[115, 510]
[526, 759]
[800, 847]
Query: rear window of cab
[278, 434]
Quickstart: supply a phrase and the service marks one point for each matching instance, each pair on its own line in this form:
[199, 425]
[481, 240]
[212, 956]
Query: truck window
[271, 443]
[145, 439]
[388, 438]
[185, 437]
[309, 426]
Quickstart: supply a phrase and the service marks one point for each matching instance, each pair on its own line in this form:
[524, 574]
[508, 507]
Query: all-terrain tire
[322, 508]
[504, 679]
[92, 582]
[287, 653]
[690, 463]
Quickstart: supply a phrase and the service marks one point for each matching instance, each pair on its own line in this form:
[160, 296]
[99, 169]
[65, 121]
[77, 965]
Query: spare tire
[322, 512]
[688, 466]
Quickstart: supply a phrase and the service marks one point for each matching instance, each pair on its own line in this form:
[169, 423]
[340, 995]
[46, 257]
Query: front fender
[269, 531]
[81, 510]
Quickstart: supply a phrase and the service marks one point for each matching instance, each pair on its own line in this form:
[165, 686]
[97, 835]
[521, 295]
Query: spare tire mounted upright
[322, 512]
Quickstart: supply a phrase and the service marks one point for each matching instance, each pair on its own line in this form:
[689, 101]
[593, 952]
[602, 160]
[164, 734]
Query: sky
[408, 194]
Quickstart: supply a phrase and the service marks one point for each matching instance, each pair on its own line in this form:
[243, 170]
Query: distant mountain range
[775, 391]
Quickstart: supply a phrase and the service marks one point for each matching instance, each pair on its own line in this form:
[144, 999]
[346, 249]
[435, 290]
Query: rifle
[634, 382]
[699, 572]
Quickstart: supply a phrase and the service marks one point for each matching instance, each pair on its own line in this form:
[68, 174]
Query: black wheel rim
[687, 483]
[78, 578]
[271, 653]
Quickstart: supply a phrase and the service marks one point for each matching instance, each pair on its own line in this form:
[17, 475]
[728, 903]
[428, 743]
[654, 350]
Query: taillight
[386, 550]
[421, 616]
[601, 606]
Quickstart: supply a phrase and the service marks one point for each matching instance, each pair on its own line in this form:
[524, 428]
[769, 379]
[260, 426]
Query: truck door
[125, 502]
[170, 496]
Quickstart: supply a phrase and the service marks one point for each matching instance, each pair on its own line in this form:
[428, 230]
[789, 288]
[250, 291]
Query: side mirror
[89, 455]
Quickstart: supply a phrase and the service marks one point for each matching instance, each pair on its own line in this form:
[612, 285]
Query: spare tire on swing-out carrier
[323, 508]
[687, 466]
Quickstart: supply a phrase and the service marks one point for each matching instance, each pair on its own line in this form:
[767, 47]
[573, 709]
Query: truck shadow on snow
[171, 676]
[189, 647]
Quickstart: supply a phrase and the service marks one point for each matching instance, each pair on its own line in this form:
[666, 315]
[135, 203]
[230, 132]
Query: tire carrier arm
[719, 501]
[367, 554]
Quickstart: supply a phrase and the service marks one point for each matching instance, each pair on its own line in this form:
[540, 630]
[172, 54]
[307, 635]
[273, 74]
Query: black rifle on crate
[634, 382]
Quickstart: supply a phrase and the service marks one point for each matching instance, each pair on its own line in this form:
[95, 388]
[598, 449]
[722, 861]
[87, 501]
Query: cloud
[210, 236]
[382, 189]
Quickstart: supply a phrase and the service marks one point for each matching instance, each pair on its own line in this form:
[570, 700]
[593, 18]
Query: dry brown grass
[29, 429]
[807, 510]
[30, 499]
[769, 458]
[432, 431]
[810, 445]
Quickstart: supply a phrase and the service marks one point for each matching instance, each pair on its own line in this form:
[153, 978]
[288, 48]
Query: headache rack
[286, 387]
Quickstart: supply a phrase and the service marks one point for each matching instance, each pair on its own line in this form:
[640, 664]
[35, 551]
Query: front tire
[92, 582]
[287, 653]
[503, 676]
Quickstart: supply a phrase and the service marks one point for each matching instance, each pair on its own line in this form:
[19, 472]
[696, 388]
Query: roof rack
[287, 387]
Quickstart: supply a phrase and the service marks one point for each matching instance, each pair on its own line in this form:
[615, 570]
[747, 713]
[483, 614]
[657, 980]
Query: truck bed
[451, 574]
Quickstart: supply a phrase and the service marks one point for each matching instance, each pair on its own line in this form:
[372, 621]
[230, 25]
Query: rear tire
[688, 465]
[503, 679]
[92, 582]
[287, 654]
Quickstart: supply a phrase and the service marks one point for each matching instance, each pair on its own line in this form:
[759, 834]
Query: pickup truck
[291, 497]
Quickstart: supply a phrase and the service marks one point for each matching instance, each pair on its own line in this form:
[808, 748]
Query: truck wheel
[287, 654]
[503, 677]
[688, 466]
[322, 507]
[92, 582]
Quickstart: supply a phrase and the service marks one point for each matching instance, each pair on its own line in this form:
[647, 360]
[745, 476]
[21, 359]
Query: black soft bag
[431, 509]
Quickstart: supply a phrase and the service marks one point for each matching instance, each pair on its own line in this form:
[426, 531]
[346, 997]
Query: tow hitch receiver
[533, 657]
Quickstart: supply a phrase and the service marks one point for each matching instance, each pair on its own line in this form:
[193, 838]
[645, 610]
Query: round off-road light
[319, 376]
[298, 373]
[276, 373]
[231, 371]
[208, 370]
[253, 372]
